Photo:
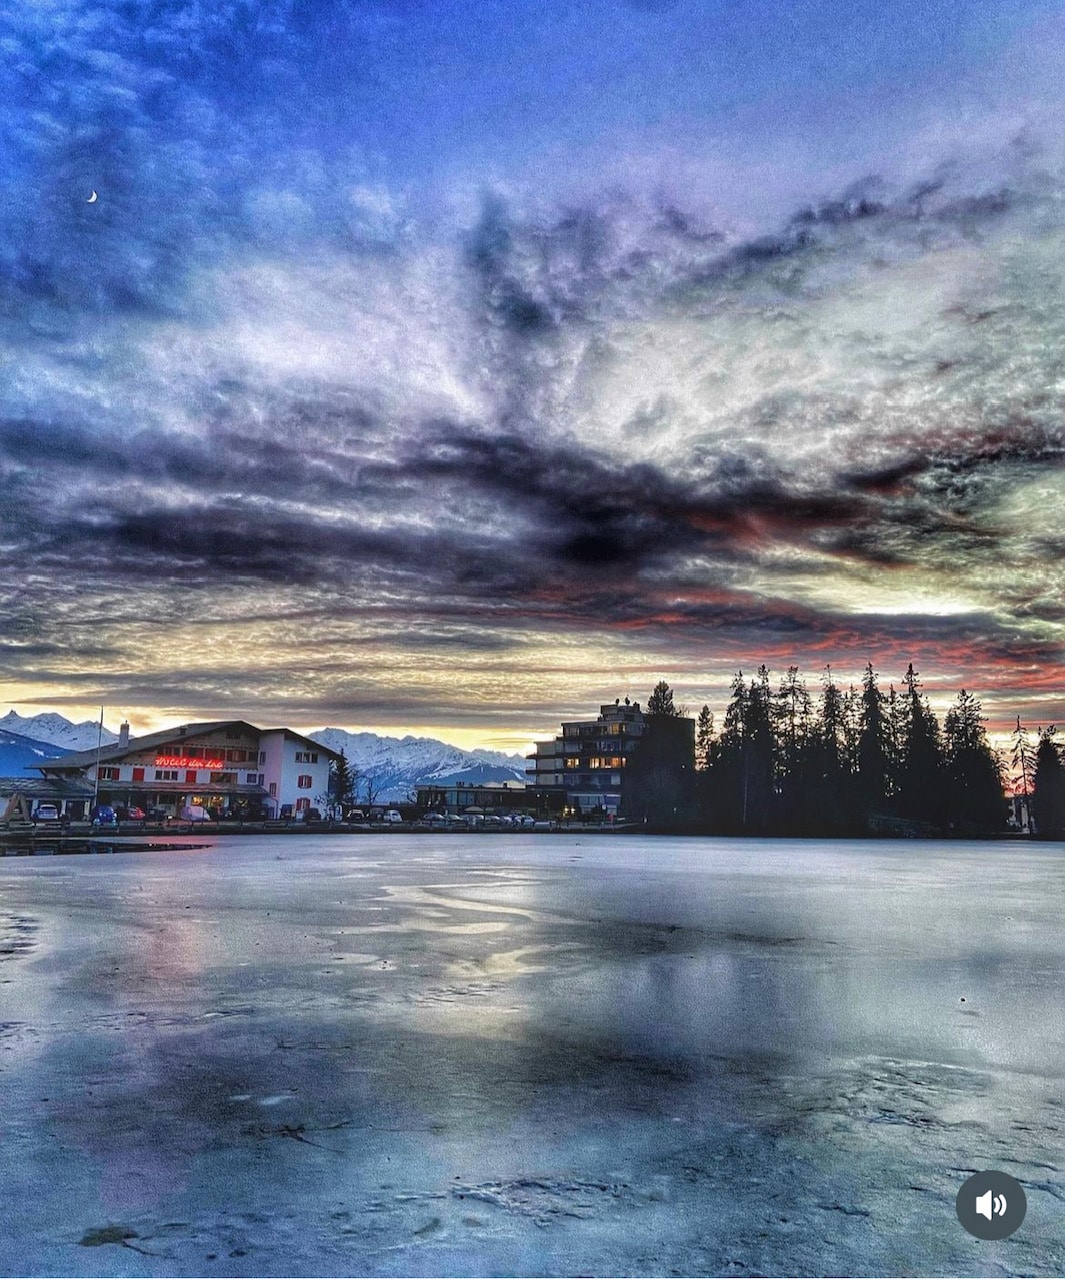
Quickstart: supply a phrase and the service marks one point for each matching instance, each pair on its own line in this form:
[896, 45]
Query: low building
[20, 797]
[492, 797]
[585, 765]
[227, 765]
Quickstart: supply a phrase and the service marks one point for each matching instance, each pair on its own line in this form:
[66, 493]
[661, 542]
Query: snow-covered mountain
[398, 765]
[56, 729]
[20, 755]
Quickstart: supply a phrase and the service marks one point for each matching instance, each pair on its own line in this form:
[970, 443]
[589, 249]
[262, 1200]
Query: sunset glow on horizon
[452, 373]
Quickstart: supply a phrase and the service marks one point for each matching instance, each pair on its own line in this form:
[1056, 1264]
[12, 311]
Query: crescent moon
[92, 199]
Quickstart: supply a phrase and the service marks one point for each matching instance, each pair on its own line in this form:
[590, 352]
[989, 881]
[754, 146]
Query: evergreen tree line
[845, 761]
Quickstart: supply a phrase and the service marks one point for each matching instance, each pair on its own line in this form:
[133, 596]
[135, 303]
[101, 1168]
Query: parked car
[46, 812]
[391, 816]
[309, 815]
[194, 813]
[157, 814]
[132, 813]
[102, 815]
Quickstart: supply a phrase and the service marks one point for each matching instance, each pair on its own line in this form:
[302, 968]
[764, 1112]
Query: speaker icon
[991, 1206]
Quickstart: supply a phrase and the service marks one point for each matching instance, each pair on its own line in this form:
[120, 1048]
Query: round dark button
[991, 1205]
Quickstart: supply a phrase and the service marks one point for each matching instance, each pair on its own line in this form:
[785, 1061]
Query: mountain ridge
[20, 755]
[57, 730]
[396, 766]
[390, 767]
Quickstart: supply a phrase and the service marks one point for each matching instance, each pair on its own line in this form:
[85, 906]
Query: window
[262, 757]
[303, 803]
[138, 774]
[217, 776]
[306, 757]
[166, 775]
[109, 774]
[190, 775]
[573, 762]
[305, 782]
[255, 779]
[273, 788]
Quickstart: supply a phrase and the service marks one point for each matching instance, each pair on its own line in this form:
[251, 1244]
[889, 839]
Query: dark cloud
[246, 372]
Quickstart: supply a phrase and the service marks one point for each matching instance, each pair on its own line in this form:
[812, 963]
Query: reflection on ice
[388, 1056]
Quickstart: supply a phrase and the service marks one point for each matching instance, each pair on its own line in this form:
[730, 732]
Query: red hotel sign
[187, 762]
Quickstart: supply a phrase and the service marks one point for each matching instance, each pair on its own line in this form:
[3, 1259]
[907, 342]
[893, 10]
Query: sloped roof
[117, 750]
[299, 737]
[47, 788]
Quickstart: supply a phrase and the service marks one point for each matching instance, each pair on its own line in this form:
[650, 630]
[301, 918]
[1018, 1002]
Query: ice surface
[518, 1055]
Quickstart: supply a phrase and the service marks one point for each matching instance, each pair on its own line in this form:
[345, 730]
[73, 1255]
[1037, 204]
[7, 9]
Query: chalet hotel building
[226, 764]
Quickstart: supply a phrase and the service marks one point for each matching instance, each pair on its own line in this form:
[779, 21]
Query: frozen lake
[522, 1055]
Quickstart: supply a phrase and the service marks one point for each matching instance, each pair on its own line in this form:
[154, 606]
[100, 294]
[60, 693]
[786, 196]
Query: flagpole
[99, 744]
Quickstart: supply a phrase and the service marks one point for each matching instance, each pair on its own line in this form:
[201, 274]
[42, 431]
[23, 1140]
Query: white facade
[231, 765]
[296, 770]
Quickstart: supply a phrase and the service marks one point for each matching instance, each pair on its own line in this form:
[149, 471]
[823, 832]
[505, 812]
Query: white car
[392, 816]
[194, 813]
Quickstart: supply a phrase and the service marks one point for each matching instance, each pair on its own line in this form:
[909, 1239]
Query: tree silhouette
[704, 739]
[1048, 801]
[1023, 760]
[660, 702]
[975, 799]
[342, 781]
[921, 782]
[874, 746]
[659, 776]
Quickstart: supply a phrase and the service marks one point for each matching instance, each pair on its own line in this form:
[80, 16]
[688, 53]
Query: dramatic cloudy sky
[451, 367]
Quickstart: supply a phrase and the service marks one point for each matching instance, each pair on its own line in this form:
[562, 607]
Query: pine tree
[874, 747]
[897, 729]
[1048, 801]
[660, 702]
[792, 723]
[704, 739]
[829, 791]
[975, 798]
[726, 795]
[759, 753]
[921, 783]
[343, 783]
[1023, 760]
[792, 720]
[660, 774]
[832, 735]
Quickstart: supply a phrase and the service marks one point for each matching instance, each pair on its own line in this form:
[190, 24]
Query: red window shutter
[138, 774]
[190, 775]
